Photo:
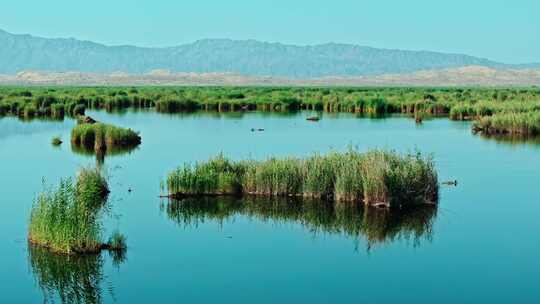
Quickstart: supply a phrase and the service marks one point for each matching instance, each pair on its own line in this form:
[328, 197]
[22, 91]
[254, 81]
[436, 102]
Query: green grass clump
[29, 111]
[56, 141]
[4, 108]
[117, 241]
[57, 111]
[374, 177]
[171, 105]
[376, 106]
[62, 222]
[279, 177]
[77, 110]
[519, 124]
[214, 177]
[92, 187]
[103, 137]
[67, 219]
[462, 111]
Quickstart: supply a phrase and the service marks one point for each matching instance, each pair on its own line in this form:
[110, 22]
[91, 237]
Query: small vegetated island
[90, 135]
[68, 219]
[376, 177]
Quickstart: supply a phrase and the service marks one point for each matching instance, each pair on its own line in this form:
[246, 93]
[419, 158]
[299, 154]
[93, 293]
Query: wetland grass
[513, 124]
[462, 111]
[117, 242]
[101, 137]
[375, 178]
[171, 105]
[67, 219]
[462, 102]
[92, 188]
[455, 103]
[57, 111]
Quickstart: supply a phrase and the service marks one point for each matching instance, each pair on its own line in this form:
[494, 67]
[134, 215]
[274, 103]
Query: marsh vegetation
[101, 138]
[515, 124]
[456, 103]
[376, 178]
[68, 219]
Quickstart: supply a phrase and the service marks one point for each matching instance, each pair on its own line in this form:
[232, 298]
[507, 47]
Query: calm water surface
[480, 245]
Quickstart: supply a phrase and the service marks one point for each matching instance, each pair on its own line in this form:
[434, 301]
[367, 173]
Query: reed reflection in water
[375, 225]
[71, 278]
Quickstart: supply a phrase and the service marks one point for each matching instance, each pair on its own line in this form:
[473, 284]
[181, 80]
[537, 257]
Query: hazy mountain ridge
[246, 57]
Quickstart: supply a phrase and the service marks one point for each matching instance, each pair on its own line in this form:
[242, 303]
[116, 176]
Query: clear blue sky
[504, 30]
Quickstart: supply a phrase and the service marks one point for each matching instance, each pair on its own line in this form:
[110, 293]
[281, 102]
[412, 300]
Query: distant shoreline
[464, 76]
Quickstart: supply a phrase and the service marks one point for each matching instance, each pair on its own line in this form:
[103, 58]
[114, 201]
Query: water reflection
[375, 225]
[101, 154]
[513, 140]
[270, 114]
[11, 127]
[70, 278]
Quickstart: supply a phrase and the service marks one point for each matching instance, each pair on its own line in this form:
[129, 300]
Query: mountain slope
[249, 57]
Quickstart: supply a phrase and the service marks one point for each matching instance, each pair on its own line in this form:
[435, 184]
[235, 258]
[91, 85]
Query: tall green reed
[374, 177]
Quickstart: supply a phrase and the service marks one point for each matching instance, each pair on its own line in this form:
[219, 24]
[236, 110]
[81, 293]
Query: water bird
[450, 183]
[381, 205]
[87, 120]
[313, 118]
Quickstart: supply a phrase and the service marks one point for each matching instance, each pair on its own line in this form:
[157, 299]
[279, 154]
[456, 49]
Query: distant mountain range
[246, 57]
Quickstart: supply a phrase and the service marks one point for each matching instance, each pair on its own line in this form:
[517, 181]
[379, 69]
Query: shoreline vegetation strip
[457, 103]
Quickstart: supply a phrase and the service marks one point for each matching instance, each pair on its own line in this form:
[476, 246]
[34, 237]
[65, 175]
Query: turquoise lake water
[480, 244]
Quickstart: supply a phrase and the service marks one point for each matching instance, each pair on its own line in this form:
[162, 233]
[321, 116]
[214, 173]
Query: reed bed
[456, 103]
[171, 105]
[469, 111]
[92, 188]
[103, 137]
[375, 177]
[67, 219]
[462, 111]
[466, 102]
[515, 124]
